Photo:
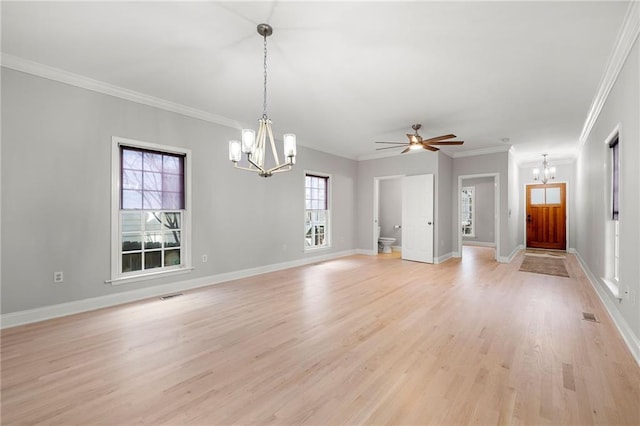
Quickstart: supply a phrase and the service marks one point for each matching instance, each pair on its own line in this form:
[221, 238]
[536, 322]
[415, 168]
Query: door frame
[376, 207]
[567, 208]
[496, 200]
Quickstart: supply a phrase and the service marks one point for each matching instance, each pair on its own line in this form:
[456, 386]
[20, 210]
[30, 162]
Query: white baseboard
[443, 258]
[503, 259]
[478, 243]
[396, 248]
[367, 252]
[632, 341]
[77, 306]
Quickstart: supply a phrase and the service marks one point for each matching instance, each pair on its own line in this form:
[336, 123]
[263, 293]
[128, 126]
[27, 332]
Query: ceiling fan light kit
[416, 142]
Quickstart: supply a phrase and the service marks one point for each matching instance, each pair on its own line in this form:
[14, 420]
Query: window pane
[553, 195]
[132, 242]
[172, 200]
[131, 199]
[172, 239]
[152, 181]
[171, 257]
[172, 164]
[172, 183]
[131, 222]
[537, 196]
[153, 240]
[152, 200]
[152, 259]
[131, 179]
[172, 220]
[131, 262]
[152, 162]
[153, 221]
[131, 159]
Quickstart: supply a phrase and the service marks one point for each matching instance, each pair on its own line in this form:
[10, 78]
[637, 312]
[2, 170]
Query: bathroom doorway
[478, 212]
[387, 211]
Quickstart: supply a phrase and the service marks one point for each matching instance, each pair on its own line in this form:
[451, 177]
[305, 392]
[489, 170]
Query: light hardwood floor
[358, 340]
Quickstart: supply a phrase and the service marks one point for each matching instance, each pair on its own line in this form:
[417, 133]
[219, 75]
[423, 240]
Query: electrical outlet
[205, 258]
[58, 277]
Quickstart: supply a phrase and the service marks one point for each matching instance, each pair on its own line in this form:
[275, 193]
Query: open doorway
[387, 212]
[478, 212]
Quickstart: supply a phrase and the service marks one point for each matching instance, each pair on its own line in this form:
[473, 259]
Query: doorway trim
[496, 200]
[376, 208]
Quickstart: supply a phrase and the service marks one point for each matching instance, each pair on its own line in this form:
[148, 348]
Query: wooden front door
[546, 216]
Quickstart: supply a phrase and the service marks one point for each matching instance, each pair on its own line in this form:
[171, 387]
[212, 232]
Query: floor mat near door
[546, 253]
[548, 265]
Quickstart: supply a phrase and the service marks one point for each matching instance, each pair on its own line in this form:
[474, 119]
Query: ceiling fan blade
[387, 147]
[406, 150]
[430, 148]
[396, 143]
[446, 143]
[440, 138]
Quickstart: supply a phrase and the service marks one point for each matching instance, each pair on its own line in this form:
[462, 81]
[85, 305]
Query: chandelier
[547, 172]
[255, 147]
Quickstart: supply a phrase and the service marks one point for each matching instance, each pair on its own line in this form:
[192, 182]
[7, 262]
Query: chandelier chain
[264, 104]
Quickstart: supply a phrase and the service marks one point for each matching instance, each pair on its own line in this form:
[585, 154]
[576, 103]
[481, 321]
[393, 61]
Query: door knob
[528, 218]
[428, 223]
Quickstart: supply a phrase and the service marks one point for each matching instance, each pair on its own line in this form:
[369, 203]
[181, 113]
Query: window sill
[612, 286]
[149, 276]
[314, 249]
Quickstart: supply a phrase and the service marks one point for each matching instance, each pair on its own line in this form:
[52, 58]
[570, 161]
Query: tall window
[615, 204]
[468, 201]
[151, 211]
[316, 230]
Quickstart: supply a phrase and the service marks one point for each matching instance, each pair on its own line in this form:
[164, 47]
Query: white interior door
[417, 218]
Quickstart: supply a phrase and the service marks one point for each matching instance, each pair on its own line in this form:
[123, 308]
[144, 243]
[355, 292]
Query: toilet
[384, 242]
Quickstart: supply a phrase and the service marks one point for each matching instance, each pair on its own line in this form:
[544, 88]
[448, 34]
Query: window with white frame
[468, 211]
[316, 226]
[615, 205]
[151, 217]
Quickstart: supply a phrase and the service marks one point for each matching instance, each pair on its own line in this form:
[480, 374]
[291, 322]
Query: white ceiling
[345, 74]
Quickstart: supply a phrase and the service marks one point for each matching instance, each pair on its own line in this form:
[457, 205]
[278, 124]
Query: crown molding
[626, 38]
[552, 163]
[482, 151]
[55, 74]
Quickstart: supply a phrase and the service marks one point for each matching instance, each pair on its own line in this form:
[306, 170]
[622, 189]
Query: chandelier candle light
[256, 147]
[547, 172]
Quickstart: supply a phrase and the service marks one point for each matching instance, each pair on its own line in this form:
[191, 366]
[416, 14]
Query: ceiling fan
[416, 141]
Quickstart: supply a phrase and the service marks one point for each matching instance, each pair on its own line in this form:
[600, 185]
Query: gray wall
[483, 164]
[485, 209]
[445, 192]
[408, 164]
[390, 209]
[622, 108]
[56, 186]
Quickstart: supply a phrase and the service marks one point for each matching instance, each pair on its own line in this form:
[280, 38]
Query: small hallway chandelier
[254, 147]
[547, 172]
